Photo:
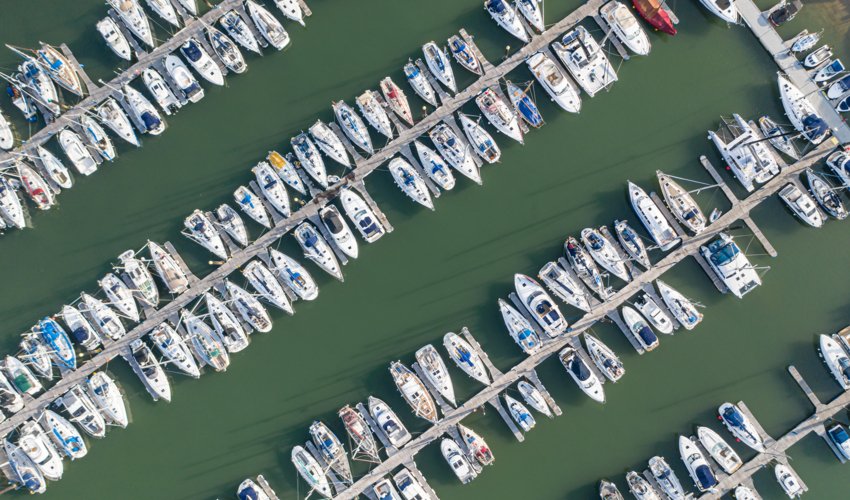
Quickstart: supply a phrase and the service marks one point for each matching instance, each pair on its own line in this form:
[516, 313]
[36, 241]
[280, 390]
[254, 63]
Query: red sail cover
[656, 16]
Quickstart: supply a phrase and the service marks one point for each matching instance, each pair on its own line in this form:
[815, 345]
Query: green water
[438, 271]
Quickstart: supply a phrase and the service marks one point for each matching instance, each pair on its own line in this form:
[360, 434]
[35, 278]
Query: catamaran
[388, 422]
[464, 55]
[420, 83]
[353, 126]
[269, 288]
[740, 426]
[114, 38]
[248, 307]
[414, 392]
[499, 114]
[626, 27]
[438, 63]
[146, 365]
[520, 329]
[540, 305]
[435, 372]
[227, 51]
[800, 111]
[111, 115]
[317, 249]
[604, 358]
[801, 204]
[134, 18]
[331, 449]
[272, 188]
[169, 271]
[465, 357]
[719, 450]
[559, 282]
[156, 85]
[104, 318]
[201, 230]
[339, 230]
[553, 80]
[251, 205]
[185, 80]
[119, 296]
[174, 349]
[652, 218]
[520, 414]
[329, 143]
[683, 309]
[585, 268]
[435, 167]
[364, 218]
[506, 17]
[731, 265]
[585, 60]
[97, 138]
[746, 155]
[267, 25]
[76, 151]
[105, 393]
[454, 151]
[225, 323]
[410, 182]
[238, 29]
[632, 243]
[57, 341]
[206, 343]
[604, 253]
[374, 113]
[587, 381]
[481, 140]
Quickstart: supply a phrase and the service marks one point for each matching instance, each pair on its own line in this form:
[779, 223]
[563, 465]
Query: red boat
[655, 15]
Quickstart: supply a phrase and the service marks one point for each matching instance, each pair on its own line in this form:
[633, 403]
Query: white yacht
[35, 354]
[35, 76]
[454, 151]
[653, 313]
[641, 331]
[329, 143]
[439, 64]
[585, 60]
[520, 414]
[185, 80]
[435, 372]
[681, 204]
[83, 412]
[506, 17]
[106, 394]
[226, 50]
[102, 317]
[174, 349]
[464, 55]
[604, 358]
[272, 188]
[76, 151]
[499, 114]
[317, 249]
[225, 323]
[420, 84]
[110, 114]
[626, 27]
[587, 381]
[251, 205]
[361, 215]
[291, 9]
[7, 137]
[168, 270]
[410, 182]
[531, 11]
[339, 230]
[120, 296]
[553, 80]
[248, 307]
[165, 10]
[719, 449]
[269, 288]
[63, 434]
[286, 171]
[156, 85]
[10, 399]
[800, 111]
[801, 204]
[200, 229]
[198, 58]
[81, 331]
[731, 265]
[604, 253]
[701, 473]
[97, 138]
[779, 137]
[310, 159]
[683, 309]
[835, 90]
[519, 329]
[268, 25]
[533, 397]
[640, 487]
[294, 275]
[435, 167]
[742, 492]
[24, 471]
[559, 282]
[148, 369]
[191, 6]
[239, 30]
[353, 126]
[836, 360]
[10, 205]
[331, 450]
[37, 445]
[457, 460]
[228, 219]
[207, 344]
[461, 352]
[145, 113]
[311, 472]
[134, 18]
[585, 268]
[409, 487]
[824, 193]
[839, 163]
[666, 478]
[652, 218]
[374, 113]
[481, 140]
[540, 305]
[21, 377]
[114, 38]
[414, 392]
[740, 426]
[388, 422]
[747, 155]
[144, 287]
[788, 481]
[35, 186]
[724, 9]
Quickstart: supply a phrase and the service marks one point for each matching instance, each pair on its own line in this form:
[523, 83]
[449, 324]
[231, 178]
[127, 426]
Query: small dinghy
[410, 182]
[420, 84]
[465, 357]
[520, 414]
[251, 205]
[413, 391]
[174, 349]
[105, 393]
[310, 159]
[294, 275]
[331, 449]
[464, 55]
[533, 397]
[249, 308]
[476, 445]
[226, 325]
[82, 332]
[435, 372]
[317, 249]
[206, 343]
[520, 329]
[327, 140]
[435, 167]
[481, 140]
[438, 63]
[581, 373]
[559, 282]
[604, 358]
[145, 365]
[269, 288]
[388, 422]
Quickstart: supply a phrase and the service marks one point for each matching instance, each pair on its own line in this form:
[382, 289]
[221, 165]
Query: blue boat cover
[814, 127]
[733, 417]
[191, 50]
[248, 493]
[80, 335]
[705, 477]
[647, 335]
[151, 122]
[838, 434]
[579, 369]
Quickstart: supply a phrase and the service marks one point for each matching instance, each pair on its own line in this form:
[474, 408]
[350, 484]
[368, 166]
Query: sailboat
[53, 167]
[435, 372]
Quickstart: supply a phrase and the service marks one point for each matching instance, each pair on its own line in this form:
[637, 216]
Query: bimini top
[579, 369]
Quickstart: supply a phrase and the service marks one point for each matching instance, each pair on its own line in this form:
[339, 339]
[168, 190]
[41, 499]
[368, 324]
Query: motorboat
[824, 193]
[200, 60]
[520, 414]
[640, 487]
[388, 422]
[103, 318]
[310, 159]
[317, 249]
[144, 112]
[33, 76]
[165, 10]
[817, 57]
[805, 41]
[226, 325]
[836, 89]
[666, 478]
[291, 9]
[248, 307]
[836, 360]
[435, 167]
[788, 481]
[110, 114]
[681, 203]
[339, 230]
[10, 399]
[293, 275]
[580, 372]
[553, 80]
[476, 446]
[585, 60]
[632, 243]
[506, 17]
[36, 444]
[363, 442]
[682, 308]
[435, 372]
[742, 492]
[409, 487]
[585, 268]
[272, 188]
[454, 151]
[120, 296]
[252, 206]
[353, 126]
[420, 83]
[652, 218]
[269, 288]
[540, 305]
[438, 63]
[464, 55]
[286, 170]
[531, 11]
[148, 369]
[520, 329]
[331, 449]
[82, 332]
[174, 350]
[839, 163]
[698, 468]
[740, 426]
[656, 15]
[410, 182]
[626, 27]
[191, 6]
[268, 25]
[156, 85]
[779, 137]
[559, 282]
[35, 354]
[604, 358]
[724, 9]
[375, 115]
[329, 143]
[239, 30]
[250, 490]
[719, 449]
[481, 140]
[800, 111]
[639, 328]
[533, 397]
[183, 78]
[604, 253]
[114, 38]
[226, 50]
[21, 377]
[7, 137]
[205, 342]
[829, 71]
[311, 471]
[801, 204]
[837, 433]
[22, 100]
[134, 18]
[35, 186]
[499, 114]
[653, 313]
[76, 151]
[201, 229]
[608, 491]
[731, 265]
[414, 392]
[843, 105]
[169, 271]
[108, 398]
[457, 460]
[57, 342]
[461, 352]
[144, 287]
[11, 208]
[83, 412]
[747, 156]
[63, 434]
[26, 473]
[384, 490]
[361, 215]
